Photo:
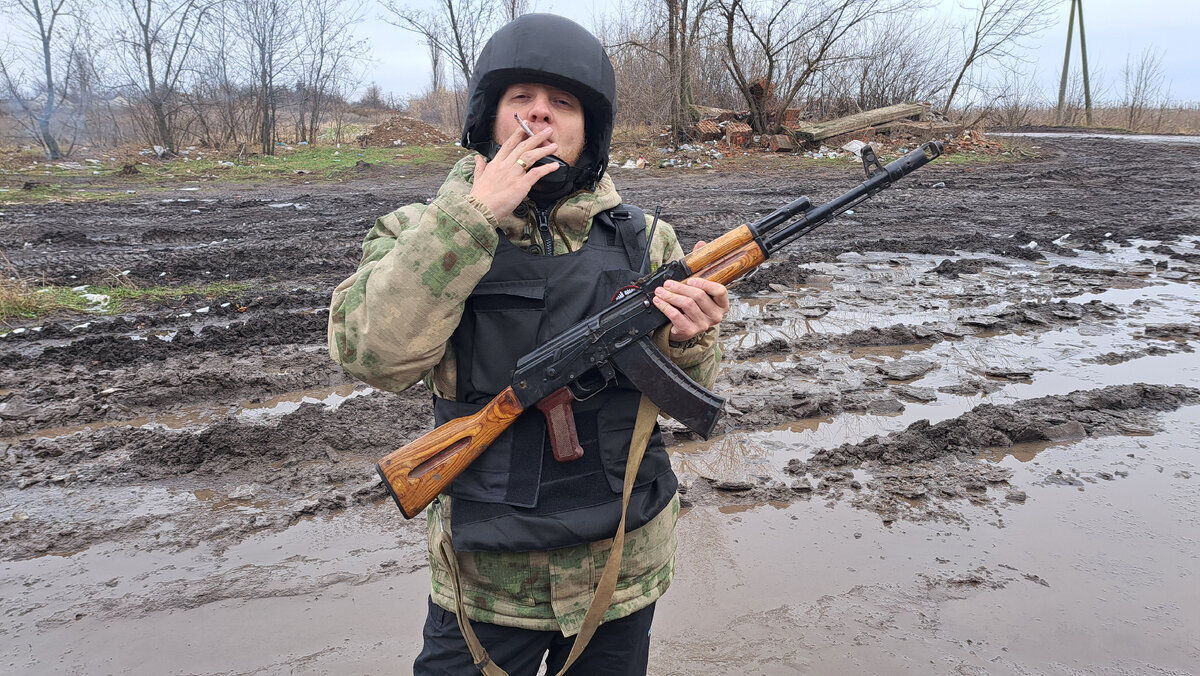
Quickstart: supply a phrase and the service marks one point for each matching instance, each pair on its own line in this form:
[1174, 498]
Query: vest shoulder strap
[629, 224]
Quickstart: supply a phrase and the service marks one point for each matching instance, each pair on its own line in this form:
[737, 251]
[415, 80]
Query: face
[542, 106]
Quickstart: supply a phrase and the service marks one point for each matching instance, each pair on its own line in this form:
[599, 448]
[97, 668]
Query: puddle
[1058, 360]
[258, 411]
[114, 610]
[172, 421]
[910, 295]
[1100, 579]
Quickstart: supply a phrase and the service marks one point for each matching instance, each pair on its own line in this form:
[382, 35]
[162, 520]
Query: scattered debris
[708, 130]
[738, 133]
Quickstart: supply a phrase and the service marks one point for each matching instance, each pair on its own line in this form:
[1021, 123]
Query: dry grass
[1170, 119]
[21, 298]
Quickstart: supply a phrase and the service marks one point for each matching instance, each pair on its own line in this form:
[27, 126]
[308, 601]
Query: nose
[540, 110]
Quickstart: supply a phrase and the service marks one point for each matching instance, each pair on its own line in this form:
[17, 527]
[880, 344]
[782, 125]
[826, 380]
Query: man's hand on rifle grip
[692, 306]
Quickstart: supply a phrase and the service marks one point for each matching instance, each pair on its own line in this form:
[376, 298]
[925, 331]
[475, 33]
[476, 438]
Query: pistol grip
[560, 420]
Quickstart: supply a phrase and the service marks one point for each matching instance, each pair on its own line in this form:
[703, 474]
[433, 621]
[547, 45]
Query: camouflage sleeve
[390, 320]
[700, 356]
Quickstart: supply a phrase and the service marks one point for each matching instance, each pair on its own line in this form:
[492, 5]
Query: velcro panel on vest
[509, 471]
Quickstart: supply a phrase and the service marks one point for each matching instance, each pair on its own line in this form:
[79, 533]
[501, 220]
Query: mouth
[525, 127]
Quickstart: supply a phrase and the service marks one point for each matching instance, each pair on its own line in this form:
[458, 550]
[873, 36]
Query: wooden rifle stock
[416, 472]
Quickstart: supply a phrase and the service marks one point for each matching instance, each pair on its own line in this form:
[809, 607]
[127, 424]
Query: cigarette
[523, 125]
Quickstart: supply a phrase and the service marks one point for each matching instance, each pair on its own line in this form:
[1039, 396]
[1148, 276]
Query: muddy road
[960, 436]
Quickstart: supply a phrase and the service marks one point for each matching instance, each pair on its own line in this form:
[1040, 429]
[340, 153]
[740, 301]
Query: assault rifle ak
[618, 338]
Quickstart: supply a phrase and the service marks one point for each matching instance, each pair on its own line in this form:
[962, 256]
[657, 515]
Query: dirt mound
[971, 266]
[1115, 409]
[973, 142]
[400, 130]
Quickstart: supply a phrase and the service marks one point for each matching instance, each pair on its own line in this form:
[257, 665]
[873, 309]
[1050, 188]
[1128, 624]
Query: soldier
[523, 239]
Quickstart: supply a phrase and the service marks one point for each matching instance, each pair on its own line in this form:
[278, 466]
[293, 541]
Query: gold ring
[523, 164]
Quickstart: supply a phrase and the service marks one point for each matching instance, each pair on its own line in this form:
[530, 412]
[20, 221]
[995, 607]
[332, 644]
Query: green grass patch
[21, 300]
[53, 181]
[311, 162]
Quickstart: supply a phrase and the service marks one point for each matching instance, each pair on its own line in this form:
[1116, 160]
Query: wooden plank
[857, 121]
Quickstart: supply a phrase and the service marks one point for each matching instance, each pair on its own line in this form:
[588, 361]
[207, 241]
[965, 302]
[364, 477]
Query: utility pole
[1062, 85]
[1087, 88]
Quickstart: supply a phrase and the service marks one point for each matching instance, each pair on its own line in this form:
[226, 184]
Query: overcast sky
[1116, 29]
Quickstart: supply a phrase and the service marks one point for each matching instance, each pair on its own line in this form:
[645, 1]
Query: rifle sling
[646, 417]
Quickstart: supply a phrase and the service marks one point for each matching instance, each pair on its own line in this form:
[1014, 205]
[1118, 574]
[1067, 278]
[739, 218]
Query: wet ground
[960, 436]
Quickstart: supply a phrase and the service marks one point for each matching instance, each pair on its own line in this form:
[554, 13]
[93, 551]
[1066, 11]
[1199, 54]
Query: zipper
[543, 224]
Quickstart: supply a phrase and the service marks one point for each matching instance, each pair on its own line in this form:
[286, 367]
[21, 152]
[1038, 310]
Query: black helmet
[553, 50]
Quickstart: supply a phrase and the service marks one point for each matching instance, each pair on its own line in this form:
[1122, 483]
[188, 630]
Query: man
[522, 240]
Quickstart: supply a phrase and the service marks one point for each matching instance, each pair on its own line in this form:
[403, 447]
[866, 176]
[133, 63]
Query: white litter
[99, 301]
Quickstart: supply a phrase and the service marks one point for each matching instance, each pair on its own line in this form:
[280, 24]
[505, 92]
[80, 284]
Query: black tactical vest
[516, 496]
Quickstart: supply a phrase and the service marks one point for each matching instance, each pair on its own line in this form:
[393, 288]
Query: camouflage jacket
[389, 325]
[390, 322]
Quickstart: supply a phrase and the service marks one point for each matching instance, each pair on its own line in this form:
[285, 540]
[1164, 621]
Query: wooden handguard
[415, 473]
[719, 249]
[733, 265]
[560, 421]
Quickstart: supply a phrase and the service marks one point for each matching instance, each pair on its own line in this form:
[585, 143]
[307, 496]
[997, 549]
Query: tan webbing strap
[478, 653]
[646, 417]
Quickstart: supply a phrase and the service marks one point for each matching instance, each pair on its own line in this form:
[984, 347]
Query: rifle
[618, 338]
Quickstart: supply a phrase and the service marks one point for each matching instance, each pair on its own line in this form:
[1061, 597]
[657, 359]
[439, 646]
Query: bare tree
[681, 25]
[515, 8]
[269, 30]
[159, 36]
[459, 28]
[774, 49]
[685, 22]
[1144, 87]
[217, 96]
[437, 80]
[372, 98]
[884, 70]
[997, 32]
[327, 53]
[1019, 97]
[33, 72]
